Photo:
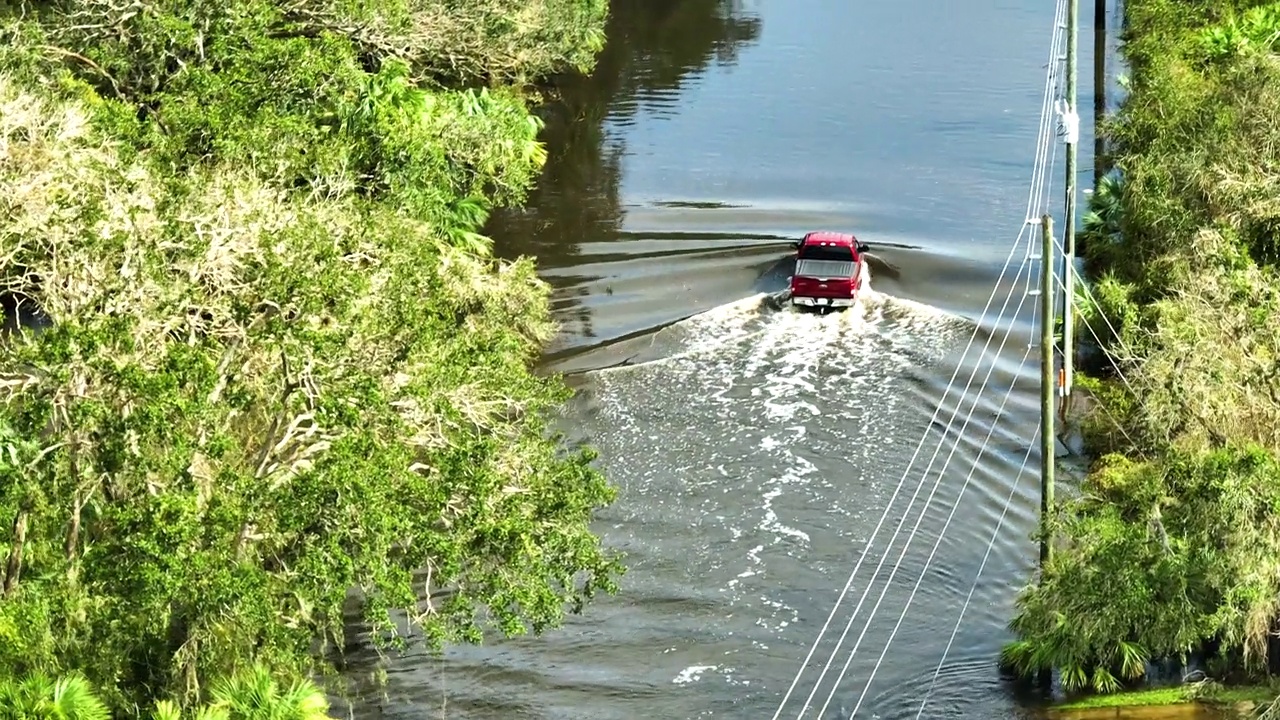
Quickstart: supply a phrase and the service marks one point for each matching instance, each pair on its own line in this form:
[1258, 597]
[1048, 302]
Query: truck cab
[829, 271]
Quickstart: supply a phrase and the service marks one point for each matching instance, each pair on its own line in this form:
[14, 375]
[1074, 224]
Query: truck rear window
[826, 252]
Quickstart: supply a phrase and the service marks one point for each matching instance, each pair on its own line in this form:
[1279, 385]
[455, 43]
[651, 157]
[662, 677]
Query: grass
[1145, 698]
[1175, 695]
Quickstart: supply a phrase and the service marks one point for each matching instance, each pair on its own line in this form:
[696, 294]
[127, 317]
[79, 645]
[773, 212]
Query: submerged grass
[1175, 695]
[1156, 696]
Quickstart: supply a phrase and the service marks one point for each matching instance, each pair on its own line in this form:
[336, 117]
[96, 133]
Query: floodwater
[755, 447]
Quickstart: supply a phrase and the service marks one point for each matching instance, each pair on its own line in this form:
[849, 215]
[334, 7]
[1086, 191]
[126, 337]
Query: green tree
[1170, 552]
[1165, 558]
[278, 364]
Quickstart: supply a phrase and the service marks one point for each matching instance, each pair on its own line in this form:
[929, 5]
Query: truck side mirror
[862, 247]
[795, 244]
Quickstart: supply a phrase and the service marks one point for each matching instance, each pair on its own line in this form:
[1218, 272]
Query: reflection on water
[654, 47]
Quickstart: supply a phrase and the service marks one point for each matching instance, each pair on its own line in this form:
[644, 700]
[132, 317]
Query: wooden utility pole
[1100, 162]
[1071, 127]
[1046, 385]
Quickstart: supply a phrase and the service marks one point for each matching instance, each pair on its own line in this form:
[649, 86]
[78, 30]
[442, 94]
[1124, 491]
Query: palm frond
[72, 698]
[1074, 677]
[1133, 660]
[1104, 682]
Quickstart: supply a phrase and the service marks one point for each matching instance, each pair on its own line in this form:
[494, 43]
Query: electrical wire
[1035, 194]
[937, 543]
[915, 529]
[902, 521]
[969, 598]
[884, 515]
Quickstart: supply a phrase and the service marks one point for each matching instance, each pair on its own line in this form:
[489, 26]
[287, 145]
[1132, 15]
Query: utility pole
[1100, 161]
[1071, 129]
[1047, 436]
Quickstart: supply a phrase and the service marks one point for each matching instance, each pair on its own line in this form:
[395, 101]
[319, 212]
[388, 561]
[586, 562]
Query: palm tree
[254, 695]
[39, 698]
[1102, 222]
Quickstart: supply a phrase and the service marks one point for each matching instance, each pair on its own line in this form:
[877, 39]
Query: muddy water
[755, 447]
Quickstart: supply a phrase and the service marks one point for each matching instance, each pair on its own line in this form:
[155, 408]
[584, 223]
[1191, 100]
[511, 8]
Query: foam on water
[785, 336]
[753, 457]
[753, 463]
[725, 434]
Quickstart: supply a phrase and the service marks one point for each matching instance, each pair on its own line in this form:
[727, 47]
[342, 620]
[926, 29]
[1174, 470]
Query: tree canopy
[276, 362]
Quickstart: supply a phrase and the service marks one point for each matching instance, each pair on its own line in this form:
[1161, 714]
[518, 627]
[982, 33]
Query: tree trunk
[72, 546]
[73, 532]
[14, 567]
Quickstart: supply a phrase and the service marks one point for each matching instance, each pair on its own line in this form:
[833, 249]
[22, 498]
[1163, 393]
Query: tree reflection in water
[654, 46]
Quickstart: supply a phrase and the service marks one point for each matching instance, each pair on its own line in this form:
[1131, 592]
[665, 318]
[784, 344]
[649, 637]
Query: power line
[1013, 489]
[1102, 314]
[1036, 195]
[1052, 89]
[991, 542]
[1094, 333]
[898, 530]
[990, 545]
[924, 511]
[950, 517]
[929, 561]
[884, 515]
[1033, 199]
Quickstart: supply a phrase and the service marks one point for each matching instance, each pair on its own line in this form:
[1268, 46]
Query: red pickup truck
[829, 271]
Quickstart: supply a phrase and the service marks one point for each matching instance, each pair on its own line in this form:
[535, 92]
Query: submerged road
[756, 447]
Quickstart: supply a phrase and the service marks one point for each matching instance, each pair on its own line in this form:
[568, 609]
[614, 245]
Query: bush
[1257, 31]
[248, 695]
[1163, 557]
